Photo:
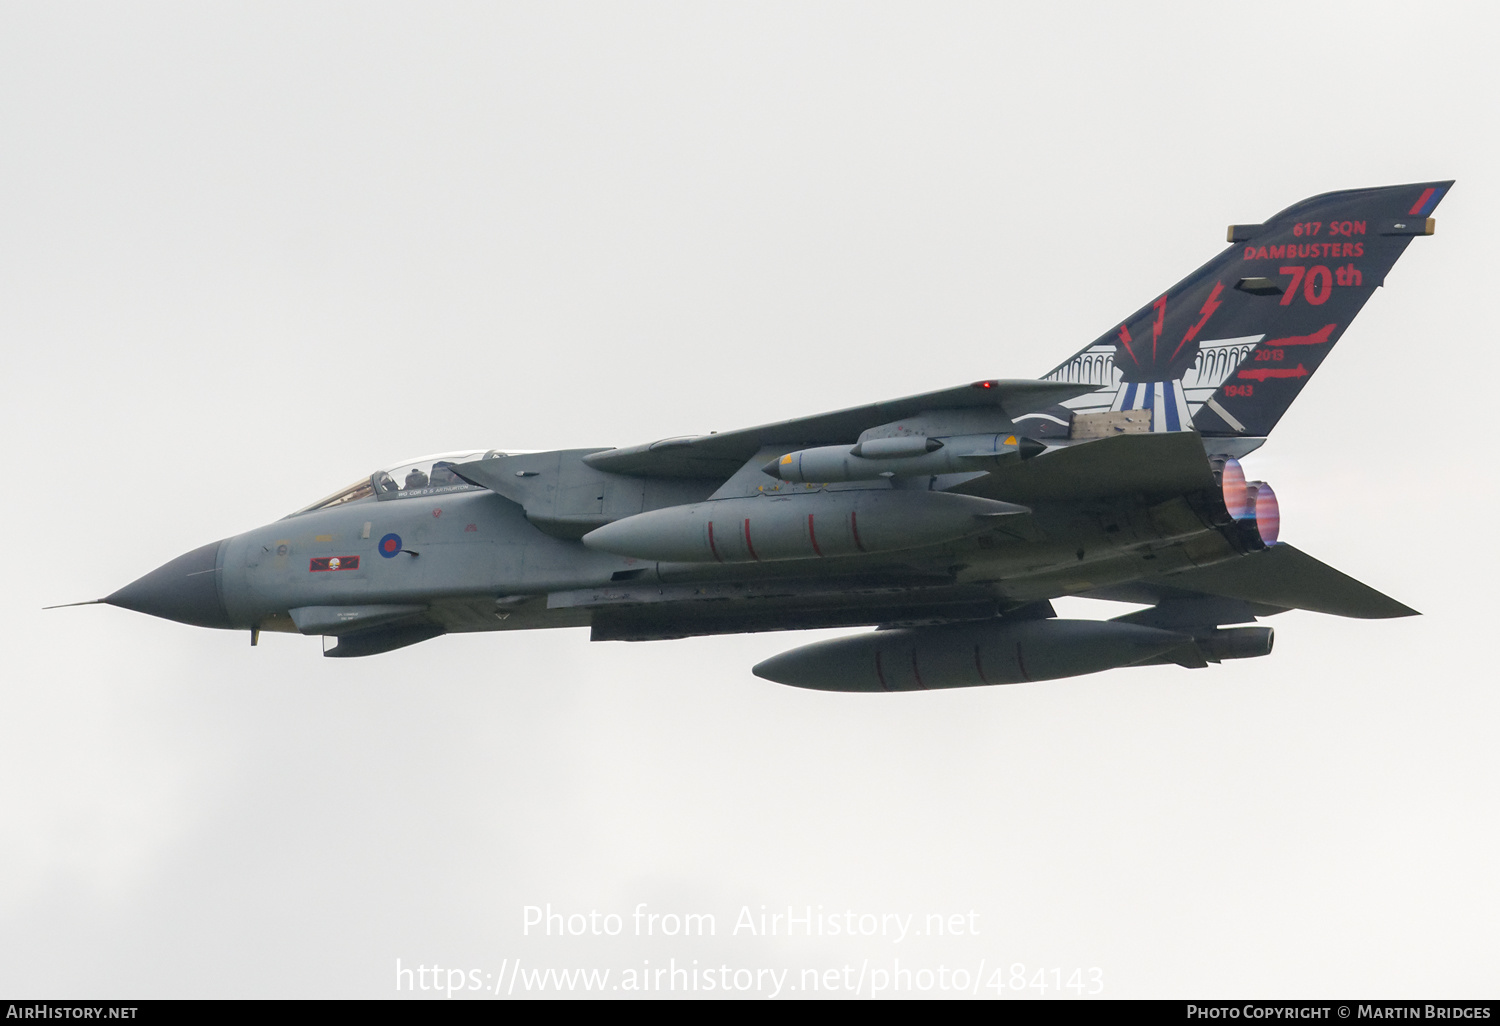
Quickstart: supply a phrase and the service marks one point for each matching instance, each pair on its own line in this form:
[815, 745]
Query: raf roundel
[390, 545]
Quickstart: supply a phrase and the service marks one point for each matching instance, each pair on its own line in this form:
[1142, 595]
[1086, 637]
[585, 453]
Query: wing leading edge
[720, 455]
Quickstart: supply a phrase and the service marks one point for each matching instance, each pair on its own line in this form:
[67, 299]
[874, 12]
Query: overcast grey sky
[251, 251]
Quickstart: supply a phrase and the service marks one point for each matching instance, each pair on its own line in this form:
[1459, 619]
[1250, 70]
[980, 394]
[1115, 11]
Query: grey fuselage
[469, 559]
[950, 517]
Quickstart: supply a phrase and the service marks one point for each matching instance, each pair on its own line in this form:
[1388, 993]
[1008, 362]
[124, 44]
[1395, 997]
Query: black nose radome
[185, 590]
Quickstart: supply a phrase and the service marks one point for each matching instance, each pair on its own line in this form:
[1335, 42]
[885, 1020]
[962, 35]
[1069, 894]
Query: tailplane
[1226, 350]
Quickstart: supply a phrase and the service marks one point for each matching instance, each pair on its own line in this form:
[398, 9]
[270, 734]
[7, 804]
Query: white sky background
[248, 253]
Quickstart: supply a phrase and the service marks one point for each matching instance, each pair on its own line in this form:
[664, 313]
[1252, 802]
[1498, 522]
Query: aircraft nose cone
[185, 589]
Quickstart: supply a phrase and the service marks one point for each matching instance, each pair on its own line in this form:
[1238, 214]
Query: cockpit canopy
[428, 475]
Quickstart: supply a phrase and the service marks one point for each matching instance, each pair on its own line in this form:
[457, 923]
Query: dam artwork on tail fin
[948, 519]
[1226, 350]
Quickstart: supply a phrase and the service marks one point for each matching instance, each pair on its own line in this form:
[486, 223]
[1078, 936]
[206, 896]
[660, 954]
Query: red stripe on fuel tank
[880, 672]
[711, 547]
[813, 535]
[1022, 664]
[916, 672]
[747, 541]
[854, 526]
[979, 665]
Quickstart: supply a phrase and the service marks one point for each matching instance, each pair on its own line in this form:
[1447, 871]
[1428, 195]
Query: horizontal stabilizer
[1280, 576]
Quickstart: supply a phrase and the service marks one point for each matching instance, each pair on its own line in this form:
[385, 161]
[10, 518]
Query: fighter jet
[946, 520]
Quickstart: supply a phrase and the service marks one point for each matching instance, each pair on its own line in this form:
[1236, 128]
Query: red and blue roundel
[390, 545]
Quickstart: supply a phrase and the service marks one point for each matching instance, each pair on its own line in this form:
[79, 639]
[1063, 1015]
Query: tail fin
[1227, 349]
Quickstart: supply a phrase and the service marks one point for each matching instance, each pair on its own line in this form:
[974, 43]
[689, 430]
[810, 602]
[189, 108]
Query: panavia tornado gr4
[946, 520]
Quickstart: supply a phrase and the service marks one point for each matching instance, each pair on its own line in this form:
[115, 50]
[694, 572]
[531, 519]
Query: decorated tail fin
[1227, 349]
